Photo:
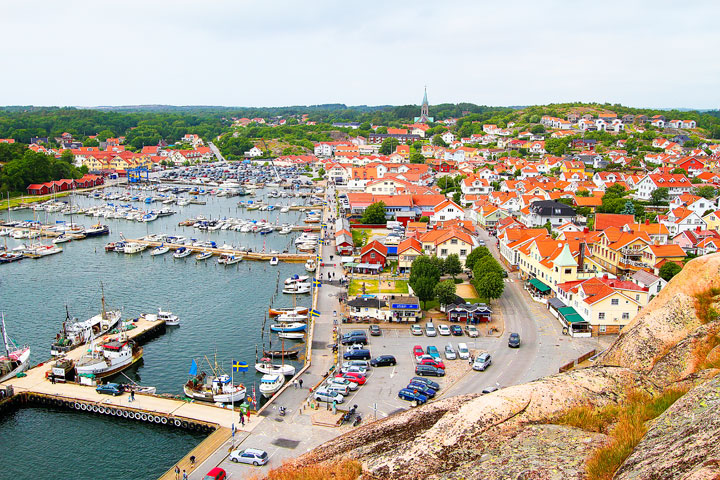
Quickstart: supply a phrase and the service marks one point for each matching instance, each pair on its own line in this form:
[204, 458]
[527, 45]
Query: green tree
[490, 285]
[456, 197]
[437, 140]
[629, 208]
[445, 292]
[91, 142]
[486, 264]
[424, 275]
[452, 265]
[388, 146]
[706, 191]
[374, 214]
[537, 129]
[660, 196]
[104, 135]
[67, 157]
[417, 158]
[476, 255]
[425, 219]
[678, 171]
[669, 270]
[424, 288]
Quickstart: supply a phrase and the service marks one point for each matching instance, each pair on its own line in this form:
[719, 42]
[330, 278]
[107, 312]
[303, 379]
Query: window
[568, 271]
[463, 253]
[372, 255]
[614, 301]
[626, 316]
[637, 297]
[443, 251]
[601, 328]
[601, 316]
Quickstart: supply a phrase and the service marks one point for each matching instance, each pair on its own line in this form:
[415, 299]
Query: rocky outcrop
[510, 433]
[683, 443]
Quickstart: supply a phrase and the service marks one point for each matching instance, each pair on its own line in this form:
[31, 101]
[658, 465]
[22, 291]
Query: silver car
[430, 330]
[253, 456]
[450, 352]
[482, 361]
[325, 395]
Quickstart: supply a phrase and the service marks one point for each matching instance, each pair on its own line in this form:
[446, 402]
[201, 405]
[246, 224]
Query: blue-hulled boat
[288, 327]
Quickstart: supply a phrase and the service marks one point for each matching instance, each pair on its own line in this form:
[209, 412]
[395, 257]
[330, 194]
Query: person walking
[192, 461]
[300, 382]
[177, 472]
[132, 395]
[242, 419]
[185, 477]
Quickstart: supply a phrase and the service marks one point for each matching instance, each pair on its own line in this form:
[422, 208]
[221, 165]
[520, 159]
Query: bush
[342, 470]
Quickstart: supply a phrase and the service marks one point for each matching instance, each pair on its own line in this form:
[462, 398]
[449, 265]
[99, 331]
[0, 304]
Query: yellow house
[655, 256]
[547, 263]
[573, 166]
[713, 220]
[408, 250]
[620, 252]
[444, 242]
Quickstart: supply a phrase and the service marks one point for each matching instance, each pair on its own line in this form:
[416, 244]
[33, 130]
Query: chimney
[581, 257]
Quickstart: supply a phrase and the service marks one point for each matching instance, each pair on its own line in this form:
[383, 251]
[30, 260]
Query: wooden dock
[259, 256]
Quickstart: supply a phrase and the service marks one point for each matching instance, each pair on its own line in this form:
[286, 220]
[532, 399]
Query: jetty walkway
[259, 256]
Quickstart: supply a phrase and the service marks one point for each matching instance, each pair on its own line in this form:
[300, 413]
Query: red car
[216, 473]
[434, 363]
[353, 377]
[418, 352]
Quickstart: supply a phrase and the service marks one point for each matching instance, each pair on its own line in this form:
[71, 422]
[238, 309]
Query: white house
[448, 137]
[445, 211]
[681, 219]
[677, 184]
[254, 152]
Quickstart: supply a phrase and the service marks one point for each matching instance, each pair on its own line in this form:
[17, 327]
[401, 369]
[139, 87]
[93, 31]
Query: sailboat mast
[4, 334]
[102, 289]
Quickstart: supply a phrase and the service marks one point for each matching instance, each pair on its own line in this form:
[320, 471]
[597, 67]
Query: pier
[259, 256]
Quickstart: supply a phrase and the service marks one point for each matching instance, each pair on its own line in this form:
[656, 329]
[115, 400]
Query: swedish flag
[322, 241]
[314, 313]
[240, 367]
[317, 283]
[324, 225]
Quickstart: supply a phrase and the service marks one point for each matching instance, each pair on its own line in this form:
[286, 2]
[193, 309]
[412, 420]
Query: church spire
[424, 110]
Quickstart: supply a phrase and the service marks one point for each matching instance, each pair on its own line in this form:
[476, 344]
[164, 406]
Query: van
[463, 351]
[357, 355]
[337, 388]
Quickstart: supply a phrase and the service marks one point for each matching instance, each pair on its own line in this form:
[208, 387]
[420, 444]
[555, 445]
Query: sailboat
[215, 388]
[16, 359]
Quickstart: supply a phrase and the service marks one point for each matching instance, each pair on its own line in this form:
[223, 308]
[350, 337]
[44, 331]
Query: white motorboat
[214, 389]
[182, 252]
[297, 288]
[203, 256]
[292, 335]
[16, 359]
[266, 366]
[160, 250]
[274, 261]
[168, 317]
[132, 247]
[310, 265]
[285, 230]
[5, 232]
[270, 384]
[285, 209]
[232, 259]
[62, 239]
[109, 358]
[291, 317]
[296, 279]
[38, 251]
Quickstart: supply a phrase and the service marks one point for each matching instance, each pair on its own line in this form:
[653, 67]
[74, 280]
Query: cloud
[280, 52]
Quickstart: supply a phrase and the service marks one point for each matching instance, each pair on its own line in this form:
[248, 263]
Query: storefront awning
[570, 315]
[540, 286]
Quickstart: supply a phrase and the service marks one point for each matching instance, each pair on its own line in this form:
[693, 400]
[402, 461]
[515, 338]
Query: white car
[342, 381]
[463, 351]
[443, 330]
[416, 329]
[325, 395]
[355, 346]
[356, 363]
[253, 456]
[472, 331]
[354, 369]
[450, 352]
[430, 330]
[482, 361]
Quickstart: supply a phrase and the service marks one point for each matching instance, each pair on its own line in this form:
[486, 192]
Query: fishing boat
[296, 279]
[215, 388]
[16, 358]
[8, 257]
[203, 256]
[160, 250]
[109, 357]
[76, 333]
[97, 230]
[270, 383]
[292, 335]
[274, 312]
[182, 252]
[310, 265]
[297, 288]
[132, 247]
[265, 365]
[274, 261]
[288, 327]
[110, 247]
[168, 317]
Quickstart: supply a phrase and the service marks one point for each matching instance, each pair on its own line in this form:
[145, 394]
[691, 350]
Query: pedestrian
[52, 378]
[177, 472]
[185, 477]
[248, 413]
[192, 460]
[242, 419]
[300, 382]
[132, 395]
[295, 384]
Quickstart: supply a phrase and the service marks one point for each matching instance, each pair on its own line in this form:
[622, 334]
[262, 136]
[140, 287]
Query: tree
[537, 129]
[629, 208]
[660, 196]
[67, 157]
[678, 171]
[452, 265]
[445, 292]
[424, 275]
[424, 288]
[374, 214]
[456, 197]
[490, 285]
[104, 135]
[486, 264]
[669, 270]
[388, 146]
[548, 226]
[437, 140]
[417, 158]
[91, 142]
[706, 191]
[476, 255]
[424, 219]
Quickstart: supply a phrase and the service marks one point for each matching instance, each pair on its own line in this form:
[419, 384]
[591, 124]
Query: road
[216, 151]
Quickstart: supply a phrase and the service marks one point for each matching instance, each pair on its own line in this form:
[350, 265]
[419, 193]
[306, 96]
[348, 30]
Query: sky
[641, 53]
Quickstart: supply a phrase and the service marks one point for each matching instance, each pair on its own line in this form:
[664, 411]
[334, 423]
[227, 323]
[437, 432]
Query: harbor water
[222, 311]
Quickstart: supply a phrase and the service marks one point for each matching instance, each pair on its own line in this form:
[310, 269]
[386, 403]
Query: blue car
[114, 389]
[433, 351]
[427, 382]
[422, 388]
[411, 396]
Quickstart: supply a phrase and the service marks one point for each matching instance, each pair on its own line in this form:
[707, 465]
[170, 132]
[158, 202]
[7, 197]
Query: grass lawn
[429, 305]
[476, 300]
[15, 201]
[373, 287]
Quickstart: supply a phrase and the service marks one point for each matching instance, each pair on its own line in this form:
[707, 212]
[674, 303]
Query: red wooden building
[374, 253]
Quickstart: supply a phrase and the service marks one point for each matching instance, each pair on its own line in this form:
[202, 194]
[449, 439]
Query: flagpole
[232, 402]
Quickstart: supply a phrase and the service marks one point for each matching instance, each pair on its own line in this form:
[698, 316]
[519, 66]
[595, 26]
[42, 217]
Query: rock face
[509, 434]
[682, 443]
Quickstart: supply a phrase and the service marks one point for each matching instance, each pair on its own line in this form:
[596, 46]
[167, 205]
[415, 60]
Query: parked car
[433, 352]
[429, 370]
[456, 330]
[427, 382]
[354, 338]
[430, 330]
[355, 346]
[253, 456]
[375, 330]
[343, 390]
[514, 340]
[113, 389]
[418, 352]
[463, 351]
[434, 362]
[490, 390]
[412, 396]
[472, 331]
[343, 381]
[443, 330]
[383, 361]
[356, 363]
[358, 378]
[416, 329]
[216, 473]
[322, 394]
[422, 388]
[357, 355]
[450, 352]
[482, 362]
[354, 369]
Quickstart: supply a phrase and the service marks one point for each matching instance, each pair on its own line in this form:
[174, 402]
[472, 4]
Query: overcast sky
[650, 53]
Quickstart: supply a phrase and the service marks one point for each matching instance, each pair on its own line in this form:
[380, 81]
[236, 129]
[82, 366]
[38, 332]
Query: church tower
[424, 111]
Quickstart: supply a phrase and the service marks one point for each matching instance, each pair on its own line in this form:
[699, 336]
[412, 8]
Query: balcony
[631, 252]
